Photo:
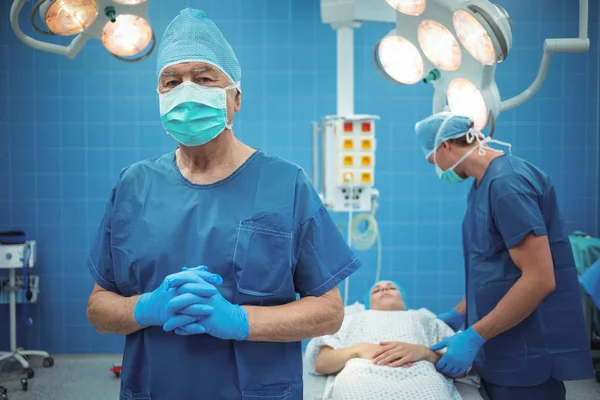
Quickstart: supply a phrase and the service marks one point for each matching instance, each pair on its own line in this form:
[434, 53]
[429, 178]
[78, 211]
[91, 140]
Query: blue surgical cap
[367, 300]
[427, 129]
[192, 37]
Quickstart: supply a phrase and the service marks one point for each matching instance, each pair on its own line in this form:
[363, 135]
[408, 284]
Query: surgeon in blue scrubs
[202, 251]
[525, 331]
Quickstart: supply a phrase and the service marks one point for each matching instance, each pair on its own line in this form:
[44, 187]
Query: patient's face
[386, 296]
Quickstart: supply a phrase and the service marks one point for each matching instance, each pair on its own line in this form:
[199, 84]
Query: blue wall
[68, 126]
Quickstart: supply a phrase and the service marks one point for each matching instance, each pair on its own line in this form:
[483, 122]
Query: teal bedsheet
[586, 250]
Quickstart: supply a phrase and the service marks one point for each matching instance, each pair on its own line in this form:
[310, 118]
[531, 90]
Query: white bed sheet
[317, 387]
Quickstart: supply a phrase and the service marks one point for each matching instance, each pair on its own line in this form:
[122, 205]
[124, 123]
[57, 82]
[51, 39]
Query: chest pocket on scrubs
[262, 258]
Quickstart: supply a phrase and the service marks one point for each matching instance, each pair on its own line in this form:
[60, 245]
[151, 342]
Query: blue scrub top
[263, 229]
[514, 199]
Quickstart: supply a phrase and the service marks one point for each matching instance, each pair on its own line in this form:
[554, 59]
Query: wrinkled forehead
[191, 68]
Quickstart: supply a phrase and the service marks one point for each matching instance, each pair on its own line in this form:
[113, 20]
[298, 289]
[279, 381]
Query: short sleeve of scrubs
[516, 211]
[324, 258]
[100, 260]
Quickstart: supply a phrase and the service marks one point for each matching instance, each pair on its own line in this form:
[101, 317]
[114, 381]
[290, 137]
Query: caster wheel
[118, 374]
[30, 372]
[597, 376]
[24, 385]
[48, 362]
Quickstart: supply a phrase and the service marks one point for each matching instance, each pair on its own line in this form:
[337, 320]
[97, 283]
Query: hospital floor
[89, 378]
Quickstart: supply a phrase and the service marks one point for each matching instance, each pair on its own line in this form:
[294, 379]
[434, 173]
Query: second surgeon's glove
[227, 321]
[152, 308]
[453, 319]
[462, 348]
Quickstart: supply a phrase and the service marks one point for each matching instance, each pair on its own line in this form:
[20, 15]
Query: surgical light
[465, 99]
[460, 43]
[474, 37]
[437, 40]
[121, 25]
[127, 36]
[439, 45]
[464, 81]
[70, 17]
[399, 59]
[408, 7]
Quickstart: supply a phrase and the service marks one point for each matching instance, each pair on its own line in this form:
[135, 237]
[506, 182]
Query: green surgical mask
[194, 114]
[449, 175]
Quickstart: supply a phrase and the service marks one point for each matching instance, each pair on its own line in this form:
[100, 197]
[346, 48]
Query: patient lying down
[383, 352]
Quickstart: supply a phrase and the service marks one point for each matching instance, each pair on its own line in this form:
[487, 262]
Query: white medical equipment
[121, 25]
[348, 162]
[456, 45]
[348, 140]
[348, 151]
[12, 259]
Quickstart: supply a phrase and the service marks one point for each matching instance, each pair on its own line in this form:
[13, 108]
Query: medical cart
[12, 258]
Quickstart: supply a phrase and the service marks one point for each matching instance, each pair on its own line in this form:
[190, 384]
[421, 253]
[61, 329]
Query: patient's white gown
[362, 380]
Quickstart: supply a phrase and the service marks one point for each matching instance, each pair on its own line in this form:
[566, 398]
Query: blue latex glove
[227, 321]
[194, 275]
[590, 281]
[152, 308]
[453, 319]
[462, 350]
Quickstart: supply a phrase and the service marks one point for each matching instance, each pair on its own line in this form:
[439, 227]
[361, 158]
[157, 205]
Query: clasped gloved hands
[453, 319]
[189, 304]
[462, 348]
[156, 308]
[225, 321]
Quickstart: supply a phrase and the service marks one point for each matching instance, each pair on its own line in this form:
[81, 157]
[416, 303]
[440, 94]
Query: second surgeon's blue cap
[454, 127]
[192, 37]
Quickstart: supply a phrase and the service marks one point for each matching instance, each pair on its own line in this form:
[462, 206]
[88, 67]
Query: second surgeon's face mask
[194, 114]
[449, 175]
